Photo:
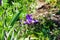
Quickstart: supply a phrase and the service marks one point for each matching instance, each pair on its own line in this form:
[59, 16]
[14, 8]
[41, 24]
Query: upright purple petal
[28, 16]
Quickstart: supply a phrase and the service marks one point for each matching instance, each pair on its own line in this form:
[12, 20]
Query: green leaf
[15, 18]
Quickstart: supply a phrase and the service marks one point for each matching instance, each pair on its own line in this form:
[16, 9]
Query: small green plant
[16, 23]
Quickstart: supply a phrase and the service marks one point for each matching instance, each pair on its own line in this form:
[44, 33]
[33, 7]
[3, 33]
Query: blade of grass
[12, 38]
[2, 36]
[15, 18]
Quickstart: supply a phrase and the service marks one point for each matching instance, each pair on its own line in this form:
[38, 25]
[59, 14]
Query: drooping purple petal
[35, 21]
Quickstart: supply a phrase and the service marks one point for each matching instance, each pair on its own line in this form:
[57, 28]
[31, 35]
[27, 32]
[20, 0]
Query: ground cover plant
[29, 19]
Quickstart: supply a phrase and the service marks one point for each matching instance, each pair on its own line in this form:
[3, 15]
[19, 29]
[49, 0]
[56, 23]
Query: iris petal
[30, 20]
[29, 16]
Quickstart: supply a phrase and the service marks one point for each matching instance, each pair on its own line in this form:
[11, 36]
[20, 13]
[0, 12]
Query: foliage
[12, 27]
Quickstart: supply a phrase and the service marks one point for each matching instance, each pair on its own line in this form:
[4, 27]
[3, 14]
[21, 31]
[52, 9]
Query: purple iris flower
[29, 19]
